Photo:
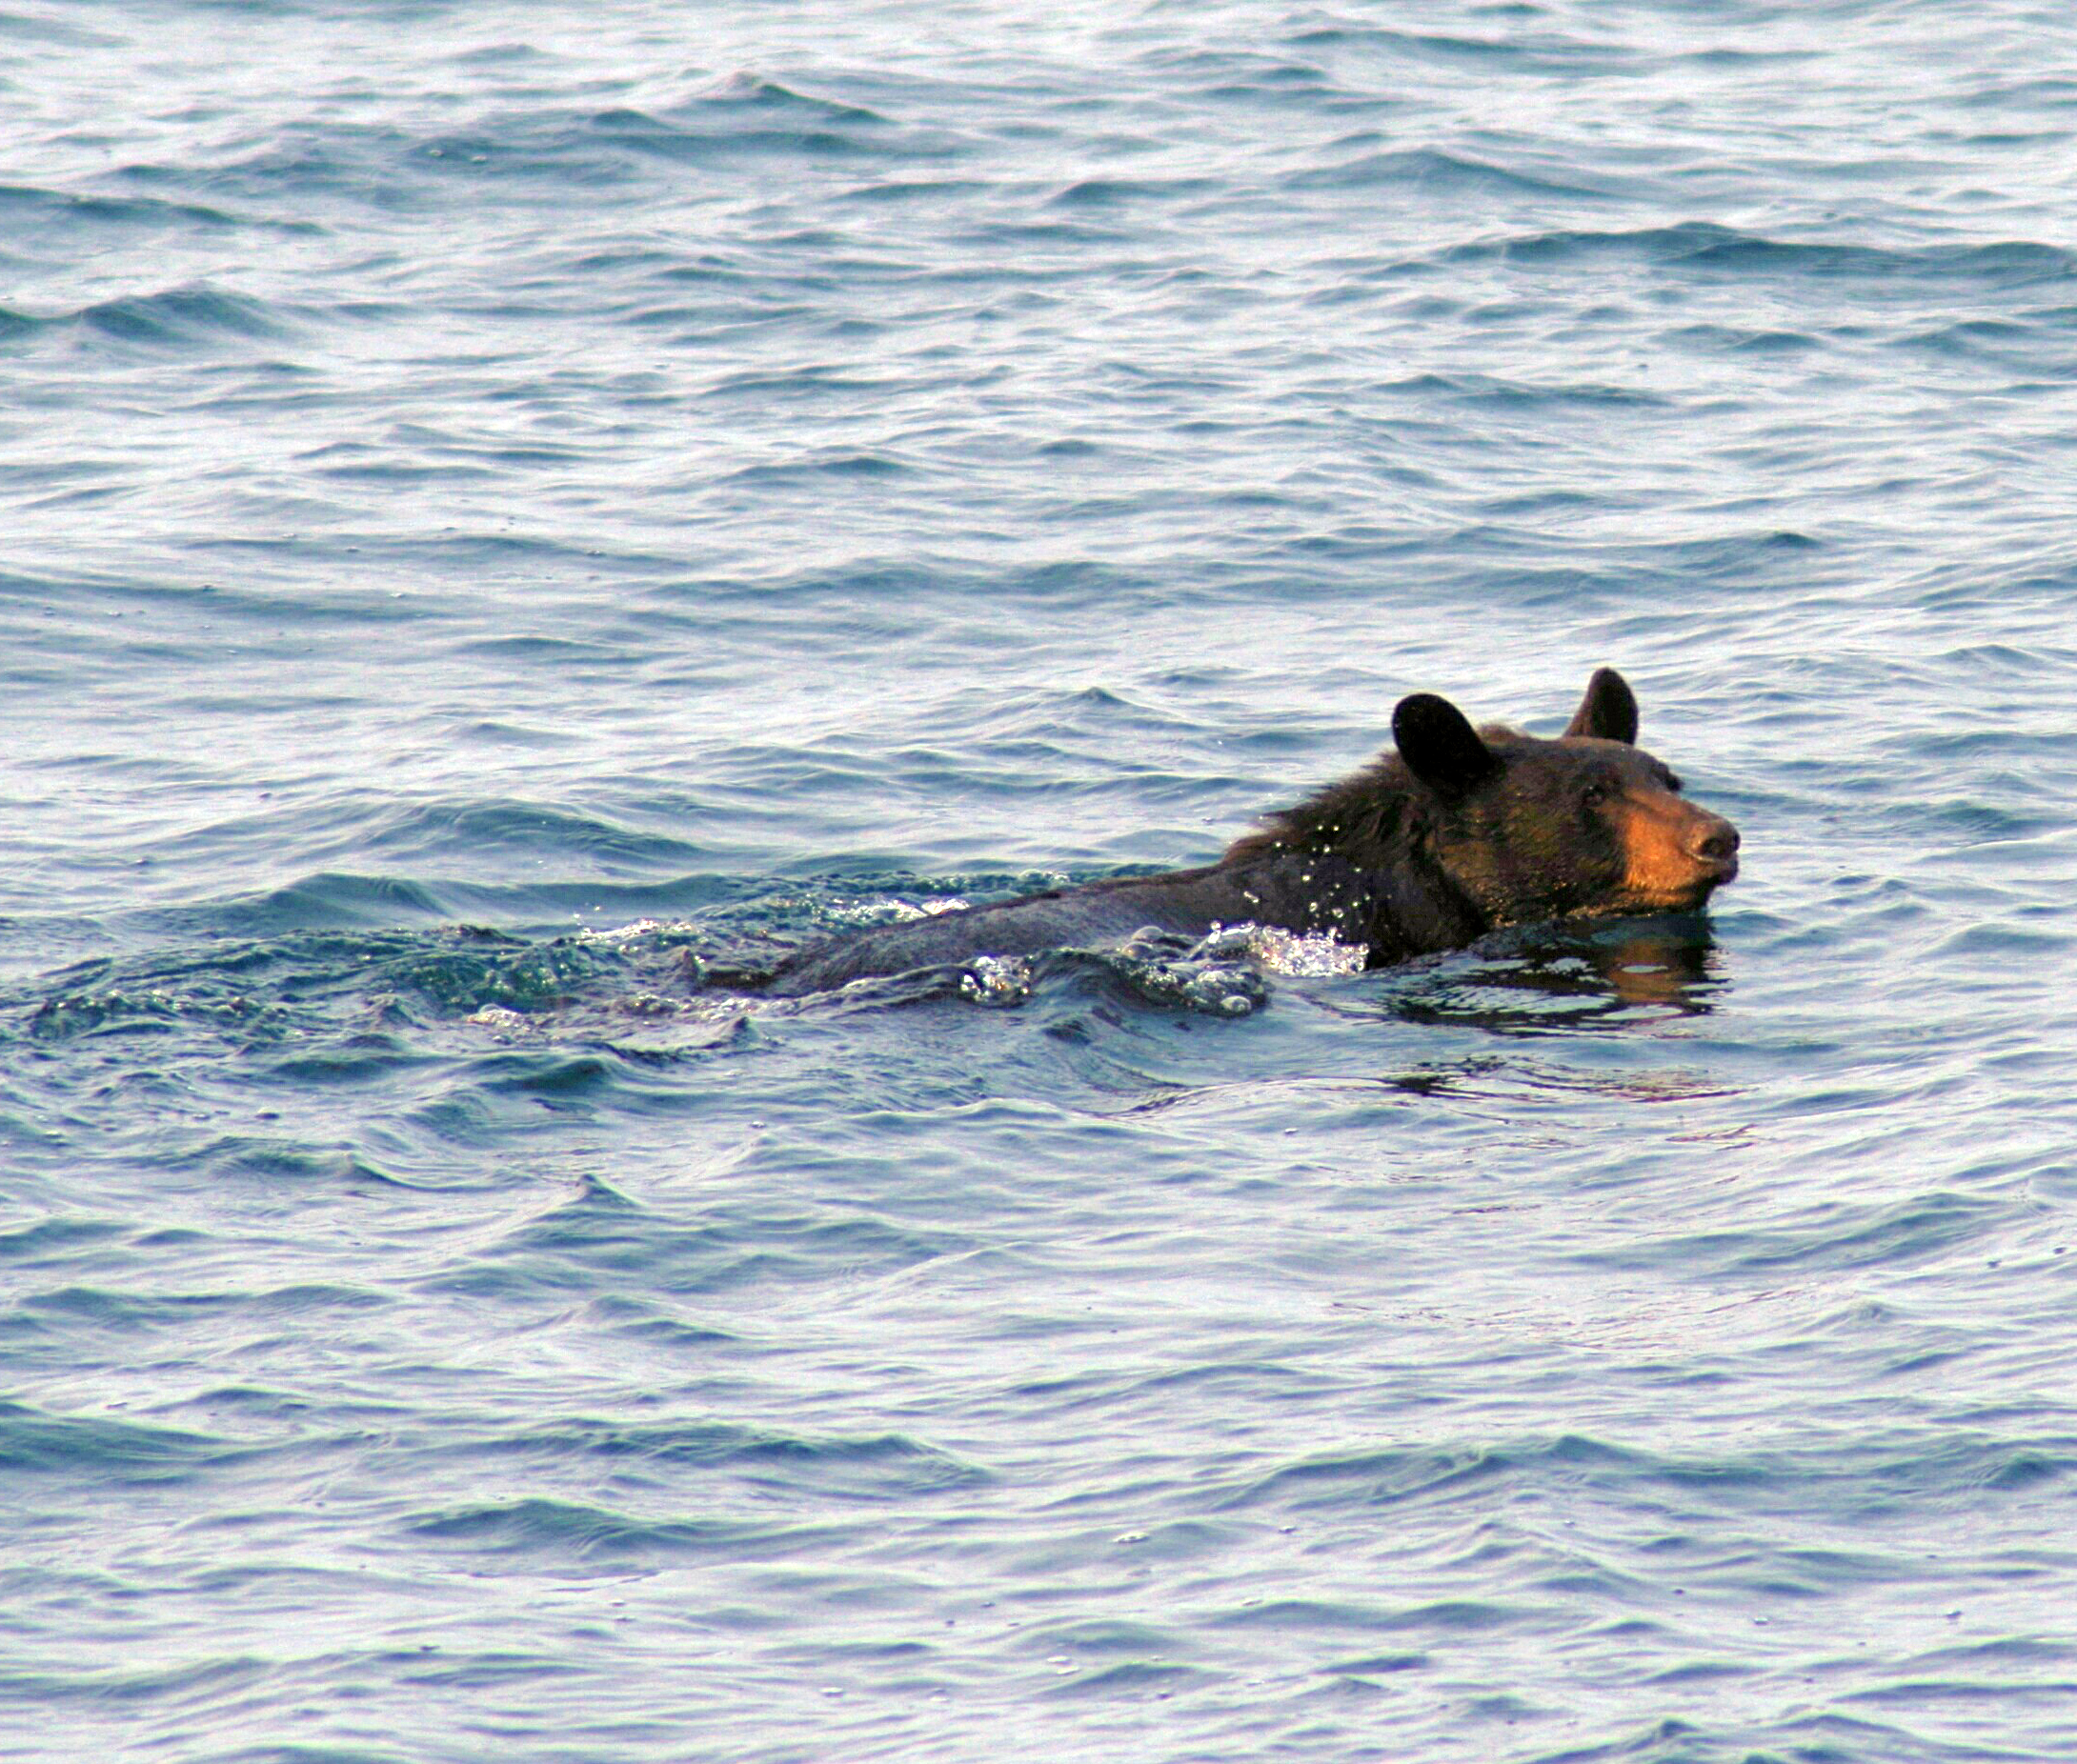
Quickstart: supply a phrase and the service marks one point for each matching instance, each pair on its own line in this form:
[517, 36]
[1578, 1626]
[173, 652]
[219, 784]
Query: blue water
[502, 505]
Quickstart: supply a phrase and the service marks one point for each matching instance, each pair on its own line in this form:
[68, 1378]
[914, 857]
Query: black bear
[1461, 831]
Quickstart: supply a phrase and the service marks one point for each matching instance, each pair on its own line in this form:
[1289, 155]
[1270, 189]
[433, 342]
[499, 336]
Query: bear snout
[1674, 854]
[1713, 840]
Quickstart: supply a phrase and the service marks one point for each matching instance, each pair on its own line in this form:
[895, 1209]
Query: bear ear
[1610, 709]
[1439, 747]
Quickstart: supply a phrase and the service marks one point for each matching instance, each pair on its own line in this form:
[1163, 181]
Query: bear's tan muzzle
[1675, 854]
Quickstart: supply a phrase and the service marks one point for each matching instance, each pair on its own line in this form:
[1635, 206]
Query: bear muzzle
[1674, 854]
[1714, 840]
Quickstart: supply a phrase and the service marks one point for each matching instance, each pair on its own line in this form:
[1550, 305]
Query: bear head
[1588, 823]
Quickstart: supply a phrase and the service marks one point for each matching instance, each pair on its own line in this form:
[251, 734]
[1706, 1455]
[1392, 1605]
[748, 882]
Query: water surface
[501, 502]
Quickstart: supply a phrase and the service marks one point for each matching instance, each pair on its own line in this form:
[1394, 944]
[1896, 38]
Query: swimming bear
[1458, 833]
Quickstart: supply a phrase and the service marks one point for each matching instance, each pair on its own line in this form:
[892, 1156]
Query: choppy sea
[503, 503]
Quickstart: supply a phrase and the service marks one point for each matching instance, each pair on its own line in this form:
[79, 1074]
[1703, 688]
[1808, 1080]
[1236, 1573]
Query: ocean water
[501, 505]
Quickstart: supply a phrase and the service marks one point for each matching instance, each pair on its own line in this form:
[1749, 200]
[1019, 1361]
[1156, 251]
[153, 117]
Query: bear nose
[1715, 839]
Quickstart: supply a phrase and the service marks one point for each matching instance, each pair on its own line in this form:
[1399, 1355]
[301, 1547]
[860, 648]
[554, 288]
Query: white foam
[1287, 951]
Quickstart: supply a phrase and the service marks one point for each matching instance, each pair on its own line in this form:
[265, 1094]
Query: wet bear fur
[1457, 833]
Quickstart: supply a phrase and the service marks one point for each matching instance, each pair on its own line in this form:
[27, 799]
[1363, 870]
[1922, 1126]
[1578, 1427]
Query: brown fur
[1659, 836]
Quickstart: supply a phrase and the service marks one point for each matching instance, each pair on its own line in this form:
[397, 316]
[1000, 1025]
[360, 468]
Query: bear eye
[1596, 791]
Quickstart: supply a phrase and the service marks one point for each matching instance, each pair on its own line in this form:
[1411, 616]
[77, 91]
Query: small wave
[564, 1530]
[138, 1689]
[545, 154]
[1371, 1665]
[2000, 341]
[31, 1441]
[1875, 1475]
[330, 899]
[651, 137]
[23, 205]
[1135, 1678]
[52, 1239]
[744, 89]
[834, 463]
[859, 1467]
[1430, 169]
[1113, 192]
[1491, 54]
[183, 318]
[1745, 340]
[745, 114]
[20, 28]
[1338, 1616]
[883, 193]
[1225, 72]
[600, 1236]
[1704, 244]
[1891, 1234]
[1489, 389]
[277, 1160]
[1381, 1479]
[479, 828]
